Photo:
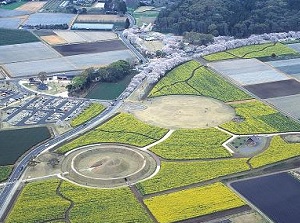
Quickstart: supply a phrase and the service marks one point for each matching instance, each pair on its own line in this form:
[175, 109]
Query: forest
[239, 18]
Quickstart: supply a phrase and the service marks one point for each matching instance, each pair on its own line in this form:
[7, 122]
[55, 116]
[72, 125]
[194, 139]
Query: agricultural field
[178, 174]
[10, 23]
[92, 111]
[145, 16]
[39, 202]
[49, 200]
[193, 202]
[277, 151]
[257, 117]
[253, 51]
[94, 205]
[123, 128]
[33, 6]
[100, 19]
[192, 78]
[13, 5]
[5, 172]
[49, 19]
[9, 37]
[193, 144]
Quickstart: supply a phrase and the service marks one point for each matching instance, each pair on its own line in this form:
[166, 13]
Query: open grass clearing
[193, 202]
[184, 111]
[177, 174]
[193, 144]
[90, 112]
[123, 128]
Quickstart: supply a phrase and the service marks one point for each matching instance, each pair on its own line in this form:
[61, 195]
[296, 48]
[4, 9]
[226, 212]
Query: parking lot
[10, 92]
[44, 110]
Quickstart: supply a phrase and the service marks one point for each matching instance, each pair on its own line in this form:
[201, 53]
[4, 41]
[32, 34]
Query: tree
[122, 7]
[127, 23]
[42, 76]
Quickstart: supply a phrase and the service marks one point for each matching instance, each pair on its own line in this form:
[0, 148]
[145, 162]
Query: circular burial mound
[108, 165]
[180, 111]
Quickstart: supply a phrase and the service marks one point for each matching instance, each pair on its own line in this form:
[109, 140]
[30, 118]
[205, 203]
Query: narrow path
[166, 136]
[139, 197]
[67, 212]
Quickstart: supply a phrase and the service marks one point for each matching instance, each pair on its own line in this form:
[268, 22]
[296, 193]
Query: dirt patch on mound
[179, 111]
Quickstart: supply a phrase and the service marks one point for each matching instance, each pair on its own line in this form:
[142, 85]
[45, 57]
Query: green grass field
[193, 202]
[94, 205]
[259, 118]
[253, 51]
[178, 174]
[277, 151]
[145, 17]
[193, 79]
[5, 172]
[13, 5]
[9, 37]
[38, 202]
[123, 128]
[92, 111]
[193, 144]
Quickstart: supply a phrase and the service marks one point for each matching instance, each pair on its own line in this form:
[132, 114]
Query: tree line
[239, 18]
[112, 73]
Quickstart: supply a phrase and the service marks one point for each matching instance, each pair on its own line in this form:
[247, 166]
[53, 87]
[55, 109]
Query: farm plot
[193, 144]
[253, 51]
[26, 52]
[12, 5]
[10, 23]
[257, 117]
[123, 128]
[94, 205]
[100, 19]
[31, 6]
[53, 39]
[85, 36]
[248, 71]
[275, 89]
[277, 151]
[194, 79]
[295, 46]
[86, 48]
[291, 67]
[287, 104]
[193, 202]
[12, 13]
[178, 174]
[49, 19]
[39, 202]
[145, 16]
[9, 36]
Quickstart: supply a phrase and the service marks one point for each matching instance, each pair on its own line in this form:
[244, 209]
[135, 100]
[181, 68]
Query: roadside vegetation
[253, 51]
[193, 202]
[123, 128]
[277, 151]
[5, 172]
[192, 78]
[178, 174]
[94, 205]
[10, 36]
[257, 117]
[90, 112]
[38, 202]
[193, 144]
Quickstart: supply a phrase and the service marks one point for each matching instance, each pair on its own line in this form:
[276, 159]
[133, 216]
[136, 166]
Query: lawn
[123, 128]
[193, 144]
[10, 36]
[94, 205]
[277, 151]
[193, 202]
[5, 172]
[38, 202]
[193, 79]
[13, 5]
[178, 174]
[253, 51]
[258, 117]
[90, 112]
